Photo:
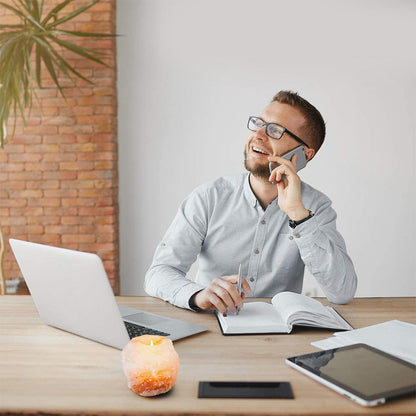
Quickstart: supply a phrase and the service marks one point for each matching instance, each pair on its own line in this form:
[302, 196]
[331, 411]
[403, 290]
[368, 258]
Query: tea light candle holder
[150, 364]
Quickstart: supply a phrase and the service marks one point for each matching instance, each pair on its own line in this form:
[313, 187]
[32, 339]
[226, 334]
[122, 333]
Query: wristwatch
[294, 224]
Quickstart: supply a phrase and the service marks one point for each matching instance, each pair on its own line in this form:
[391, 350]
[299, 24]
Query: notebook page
[254, 317]
[288, 303]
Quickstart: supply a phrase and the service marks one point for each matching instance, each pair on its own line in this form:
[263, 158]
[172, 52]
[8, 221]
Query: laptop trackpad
[144, 318]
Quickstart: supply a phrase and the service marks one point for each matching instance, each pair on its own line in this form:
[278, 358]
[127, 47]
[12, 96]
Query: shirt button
[256, 251]
[297, 235]
[291, 237]
[251, 279]
[263, 222]
[163, 244]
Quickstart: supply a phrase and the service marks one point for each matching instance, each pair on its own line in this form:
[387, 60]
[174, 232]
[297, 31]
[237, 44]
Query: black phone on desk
[300, 163]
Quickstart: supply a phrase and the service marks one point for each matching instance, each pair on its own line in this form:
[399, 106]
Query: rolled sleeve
[166, 277]
[324, 253]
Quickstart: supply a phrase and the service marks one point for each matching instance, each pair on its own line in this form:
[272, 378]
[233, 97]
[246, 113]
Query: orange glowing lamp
[150, 364]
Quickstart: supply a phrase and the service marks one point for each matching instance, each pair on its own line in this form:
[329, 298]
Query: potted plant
[26, 49]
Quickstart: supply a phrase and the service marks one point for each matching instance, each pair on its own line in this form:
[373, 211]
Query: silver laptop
[71, 291]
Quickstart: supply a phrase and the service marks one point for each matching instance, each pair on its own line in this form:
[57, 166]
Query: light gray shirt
[222, 224]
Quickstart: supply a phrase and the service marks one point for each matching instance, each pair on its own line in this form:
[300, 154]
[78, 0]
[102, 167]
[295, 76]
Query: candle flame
[151, 342]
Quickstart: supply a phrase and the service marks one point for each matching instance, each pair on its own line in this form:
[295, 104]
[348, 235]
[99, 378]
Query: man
[273, 225]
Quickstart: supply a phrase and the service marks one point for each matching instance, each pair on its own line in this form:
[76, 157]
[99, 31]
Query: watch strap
[294, 224]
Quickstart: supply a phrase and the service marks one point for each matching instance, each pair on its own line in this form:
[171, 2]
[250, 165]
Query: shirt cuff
[307, 233]
[186, 293]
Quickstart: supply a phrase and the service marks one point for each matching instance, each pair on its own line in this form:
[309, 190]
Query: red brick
[83, 111]
[25, 157]
[58, 121]
[60, 193]
[103, 184]
[77, 184]
[26, 211]
[73, 220]
[105, 109]
[45, 148]
[60, 157]
[16, 185]
[13, 203]
[36, 131]
[25, 176]
[104, 165]
[86, 220]
[79, 202]
[12, 220]
[109, 210]
[78, 238]
[86, 165]
[71, 210]
[94, 193]
[50, 239]
[104, 128]
[43, 166]
[61, 229]
[105, 220]
[101, 174]
[44, 220]
[44, 202]
[27, 193]
[46, 93]
[26, 229]
[104, 202]
[14, 167]
[14, 146]
[93, 120]
[60, 175]
[60, 139]
[76, 128]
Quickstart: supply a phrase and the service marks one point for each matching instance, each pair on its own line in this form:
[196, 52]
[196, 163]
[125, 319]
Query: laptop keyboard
[135, 330]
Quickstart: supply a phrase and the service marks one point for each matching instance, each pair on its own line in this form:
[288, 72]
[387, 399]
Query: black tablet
[362, 373]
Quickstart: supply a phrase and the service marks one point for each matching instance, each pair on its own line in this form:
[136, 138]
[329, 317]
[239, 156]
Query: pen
[238, 286]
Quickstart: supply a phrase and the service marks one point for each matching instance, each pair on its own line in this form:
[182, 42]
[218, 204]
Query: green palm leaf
[37, 34]
[71, 15]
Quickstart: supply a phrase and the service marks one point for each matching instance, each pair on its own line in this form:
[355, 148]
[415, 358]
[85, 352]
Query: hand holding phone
[300, 163]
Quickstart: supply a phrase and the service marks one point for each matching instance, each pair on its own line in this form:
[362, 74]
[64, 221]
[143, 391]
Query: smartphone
[300, 163]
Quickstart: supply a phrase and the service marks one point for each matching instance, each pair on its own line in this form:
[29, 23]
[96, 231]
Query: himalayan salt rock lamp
[150, 364]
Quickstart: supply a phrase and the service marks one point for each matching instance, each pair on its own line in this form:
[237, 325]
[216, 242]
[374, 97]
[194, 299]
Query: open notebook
[287, 309]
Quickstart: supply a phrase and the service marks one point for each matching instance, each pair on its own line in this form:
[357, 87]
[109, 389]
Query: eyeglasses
[273, 130]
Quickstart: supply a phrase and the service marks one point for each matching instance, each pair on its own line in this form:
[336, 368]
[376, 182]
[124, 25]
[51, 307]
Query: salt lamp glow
[150, 364]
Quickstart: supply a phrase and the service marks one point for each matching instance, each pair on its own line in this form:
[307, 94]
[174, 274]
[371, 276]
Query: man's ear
[309, 153]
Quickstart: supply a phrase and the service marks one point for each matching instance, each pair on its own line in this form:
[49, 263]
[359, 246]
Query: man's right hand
[221, 294]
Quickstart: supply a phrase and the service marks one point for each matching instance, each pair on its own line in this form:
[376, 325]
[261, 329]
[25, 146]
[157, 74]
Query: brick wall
[58, 174]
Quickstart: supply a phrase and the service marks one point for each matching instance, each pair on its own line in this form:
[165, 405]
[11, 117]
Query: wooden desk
[45, 370]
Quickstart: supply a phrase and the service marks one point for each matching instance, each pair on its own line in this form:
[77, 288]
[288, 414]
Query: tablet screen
[362, 370]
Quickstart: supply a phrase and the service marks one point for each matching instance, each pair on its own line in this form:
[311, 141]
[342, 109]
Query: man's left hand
[289, 194]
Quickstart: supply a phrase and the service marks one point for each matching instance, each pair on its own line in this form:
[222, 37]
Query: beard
[258, 170]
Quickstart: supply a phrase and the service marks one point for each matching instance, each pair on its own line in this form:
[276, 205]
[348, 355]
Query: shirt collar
[249, 194]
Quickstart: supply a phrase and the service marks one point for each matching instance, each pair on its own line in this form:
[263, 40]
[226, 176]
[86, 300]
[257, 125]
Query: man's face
[287, 116]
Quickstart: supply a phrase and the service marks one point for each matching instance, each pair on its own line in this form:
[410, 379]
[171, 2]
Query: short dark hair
[315, 124]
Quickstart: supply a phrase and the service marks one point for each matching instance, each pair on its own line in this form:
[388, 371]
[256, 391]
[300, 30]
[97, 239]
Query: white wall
[190, 72]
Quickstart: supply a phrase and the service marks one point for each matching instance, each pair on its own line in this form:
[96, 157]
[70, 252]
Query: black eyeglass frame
[285, 130]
